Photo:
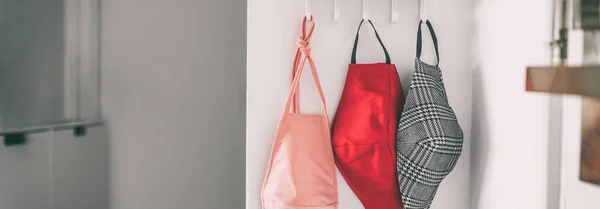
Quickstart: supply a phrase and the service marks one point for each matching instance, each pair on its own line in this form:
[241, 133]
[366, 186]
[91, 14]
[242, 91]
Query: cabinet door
[81, 170]
[49, 71]
[25, 174]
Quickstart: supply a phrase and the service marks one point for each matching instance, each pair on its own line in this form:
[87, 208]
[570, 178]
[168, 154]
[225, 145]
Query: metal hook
[365, 13]
[308, 14]
[422, 13]
[336, 11]
[394, 11]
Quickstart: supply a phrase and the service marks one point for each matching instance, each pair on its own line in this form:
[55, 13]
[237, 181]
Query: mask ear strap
[303, 55]
[353, 59]
[433, 36]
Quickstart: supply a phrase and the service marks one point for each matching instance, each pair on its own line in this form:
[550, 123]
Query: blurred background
[127, 104]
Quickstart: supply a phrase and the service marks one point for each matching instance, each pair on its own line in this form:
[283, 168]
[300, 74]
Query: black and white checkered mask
[429, 139]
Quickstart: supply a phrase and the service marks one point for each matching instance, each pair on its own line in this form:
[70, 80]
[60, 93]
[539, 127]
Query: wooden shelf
[577, 80]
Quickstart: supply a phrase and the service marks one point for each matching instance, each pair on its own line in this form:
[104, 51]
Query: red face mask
[364, 131]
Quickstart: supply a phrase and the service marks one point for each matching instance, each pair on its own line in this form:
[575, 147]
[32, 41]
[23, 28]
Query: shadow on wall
[480, 144]
[480, 128]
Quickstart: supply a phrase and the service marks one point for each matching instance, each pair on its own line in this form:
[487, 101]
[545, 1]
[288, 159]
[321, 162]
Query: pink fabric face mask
[301, 172]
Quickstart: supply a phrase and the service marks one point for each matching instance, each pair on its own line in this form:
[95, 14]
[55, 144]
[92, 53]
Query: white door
[576, 193]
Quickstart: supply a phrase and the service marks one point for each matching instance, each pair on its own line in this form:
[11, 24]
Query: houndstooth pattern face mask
[429, 139]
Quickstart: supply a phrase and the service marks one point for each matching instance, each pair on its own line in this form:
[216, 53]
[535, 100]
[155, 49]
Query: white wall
[173, 95]
[510, 126]
[273, 27]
